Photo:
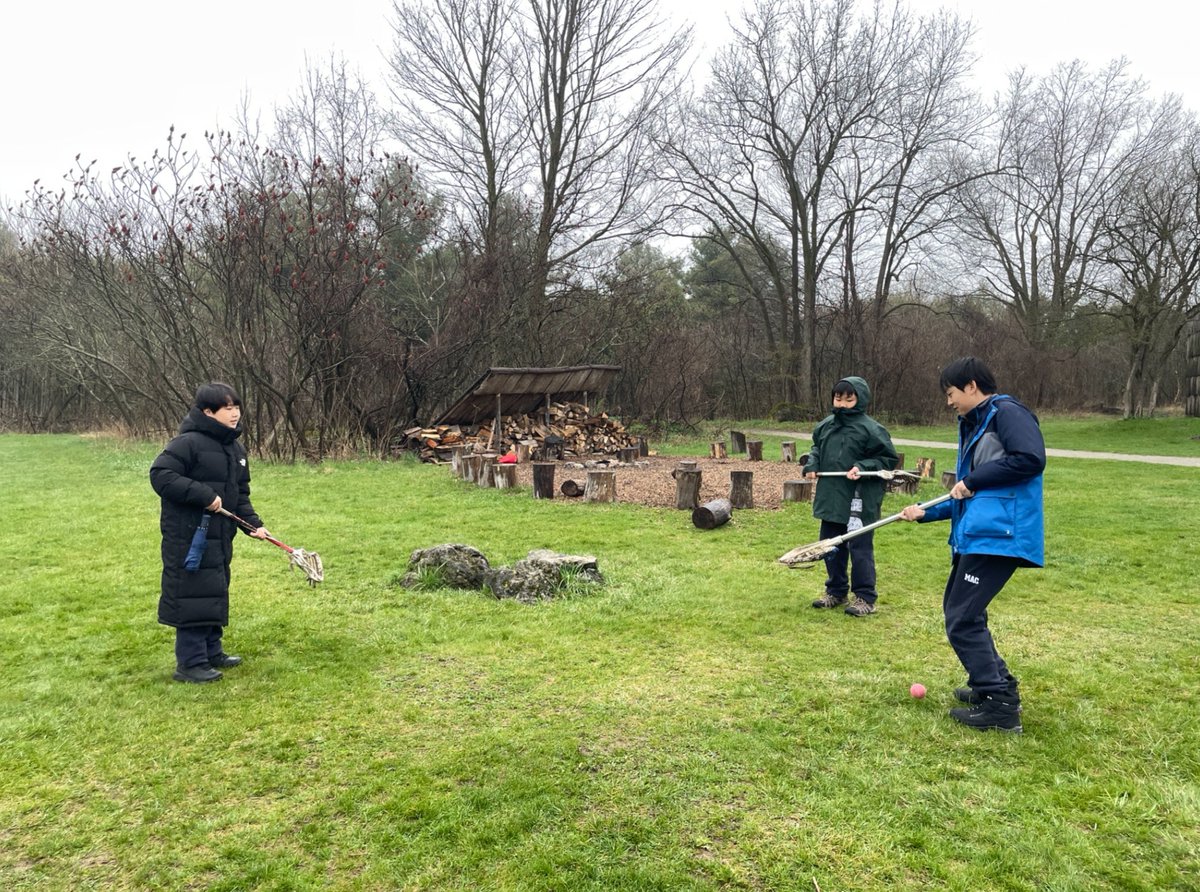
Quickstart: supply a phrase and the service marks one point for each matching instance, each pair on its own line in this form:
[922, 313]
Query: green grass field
[692, 725]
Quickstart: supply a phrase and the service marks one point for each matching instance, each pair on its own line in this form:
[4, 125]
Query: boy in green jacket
[850, 441]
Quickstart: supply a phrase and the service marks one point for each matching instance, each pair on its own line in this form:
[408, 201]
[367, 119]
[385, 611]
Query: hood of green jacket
[861, 389]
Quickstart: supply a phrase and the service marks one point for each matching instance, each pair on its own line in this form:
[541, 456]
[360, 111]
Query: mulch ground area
[653, 484]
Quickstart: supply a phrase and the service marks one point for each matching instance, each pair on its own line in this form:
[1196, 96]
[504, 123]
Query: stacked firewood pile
[580, 432]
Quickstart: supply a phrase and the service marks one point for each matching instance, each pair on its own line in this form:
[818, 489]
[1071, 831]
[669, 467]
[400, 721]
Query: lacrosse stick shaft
[830, 544]
[924, 506]
[250, 528]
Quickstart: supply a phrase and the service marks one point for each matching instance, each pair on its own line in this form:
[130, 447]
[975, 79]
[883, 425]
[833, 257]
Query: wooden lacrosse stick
[308, 561]
[806, 554]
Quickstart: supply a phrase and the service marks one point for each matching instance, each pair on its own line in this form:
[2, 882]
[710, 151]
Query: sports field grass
[692, 725]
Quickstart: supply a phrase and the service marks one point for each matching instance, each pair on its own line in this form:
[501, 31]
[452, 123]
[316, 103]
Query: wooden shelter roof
[522, 391]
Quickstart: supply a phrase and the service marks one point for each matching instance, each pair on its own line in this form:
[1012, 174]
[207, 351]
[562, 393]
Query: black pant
[975, 579]
[861, 552]
[196, 645]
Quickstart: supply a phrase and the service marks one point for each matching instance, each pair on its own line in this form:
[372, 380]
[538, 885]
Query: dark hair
[844, 388]
[963, 371]
[215, 395]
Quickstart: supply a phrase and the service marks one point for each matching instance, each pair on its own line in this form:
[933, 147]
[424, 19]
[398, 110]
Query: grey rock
[541, 575]
[460, 566]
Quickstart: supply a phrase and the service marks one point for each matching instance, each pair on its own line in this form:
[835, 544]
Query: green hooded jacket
[848, 438]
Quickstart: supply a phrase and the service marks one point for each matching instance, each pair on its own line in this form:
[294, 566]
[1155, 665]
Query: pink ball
[917, 690]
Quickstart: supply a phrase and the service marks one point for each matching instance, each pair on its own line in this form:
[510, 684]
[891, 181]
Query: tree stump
[628, 455]
[754, 449]
[949, 479]
[456, 457]
[643, 447]
[543, 479]
[899, 461]
[798, 490]
[712, 514]
[601, 486]
[525, 451]
[487, 470]
[739, 441]
[925, 467]
[504, 476]
[473, 465]
[788, 450]
[687, 486]
[571, 489]
[741, 489]
[717, 450]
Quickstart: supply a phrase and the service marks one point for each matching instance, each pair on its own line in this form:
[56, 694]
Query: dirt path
[1182, 461]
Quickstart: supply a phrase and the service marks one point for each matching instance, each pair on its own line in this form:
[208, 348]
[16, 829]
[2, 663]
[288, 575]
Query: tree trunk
[712, 514]
[798, 490]
[739, 441]
[717, 450]
[687, 487]
[788, 450]
[504, 476]
[543, 479]
[754, 448]
[741, 489]
[601, 486]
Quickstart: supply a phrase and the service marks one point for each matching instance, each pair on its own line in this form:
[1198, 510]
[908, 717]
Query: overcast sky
[107, 80]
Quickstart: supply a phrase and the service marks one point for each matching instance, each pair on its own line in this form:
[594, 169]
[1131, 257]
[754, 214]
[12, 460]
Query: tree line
[545, 185]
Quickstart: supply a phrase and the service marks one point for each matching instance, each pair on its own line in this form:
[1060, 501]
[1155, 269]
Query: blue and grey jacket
[1001, 456]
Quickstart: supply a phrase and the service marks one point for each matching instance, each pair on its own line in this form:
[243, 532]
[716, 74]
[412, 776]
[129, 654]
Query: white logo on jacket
[242, 462]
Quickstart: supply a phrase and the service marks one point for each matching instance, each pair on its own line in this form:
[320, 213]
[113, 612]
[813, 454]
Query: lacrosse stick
[308, 561]
[806, 554]
[886, 475]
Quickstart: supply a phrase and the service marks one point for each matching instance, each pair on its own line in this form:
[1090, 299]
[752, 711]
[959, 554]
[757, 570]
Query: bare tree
[1065, 146]
[1150, 254]
[545, 105]
[810, 146]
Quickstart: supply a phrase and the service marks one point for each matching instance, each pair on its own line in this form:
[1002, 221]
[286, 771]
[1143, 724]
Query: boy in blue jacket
[996, 526]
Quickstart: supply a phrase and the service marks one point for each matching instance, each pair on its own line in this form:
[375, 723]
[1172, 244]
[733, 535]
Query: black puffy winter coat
[204, 461]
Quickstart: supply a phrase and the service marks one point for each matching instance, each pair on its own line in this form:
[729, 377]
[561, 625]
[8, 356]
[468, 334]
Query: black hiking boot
[197, 674]
[990, 714]
[969, 696]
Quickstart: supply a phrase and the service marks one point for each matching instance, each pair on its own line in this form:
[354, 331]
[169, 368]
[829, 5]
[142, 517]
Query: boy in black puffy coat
[202, 469]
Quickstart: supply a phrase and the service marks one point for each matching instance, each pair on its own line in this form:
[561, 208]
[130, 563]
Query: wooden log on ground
[741, 489]
[456, 457]
[543, 479]
[899, 461]
[487, 472]
[571, 489]
[787, 450]
[504, 476]
[687, 486]
[925, 467]
[738, 439]
[712, 514]
[627, 455]
[525, 450]
[949, 479]
[601, 486]
[643, 447]
[798, 490]
[754, 450]
[717, 450]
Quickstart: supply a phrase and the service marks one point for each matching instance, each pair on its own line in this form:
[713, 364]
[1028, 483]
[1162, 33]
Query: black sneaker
[224, 661]
[828, 600]
[197, 674]
[968, 695]
[990, 715]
